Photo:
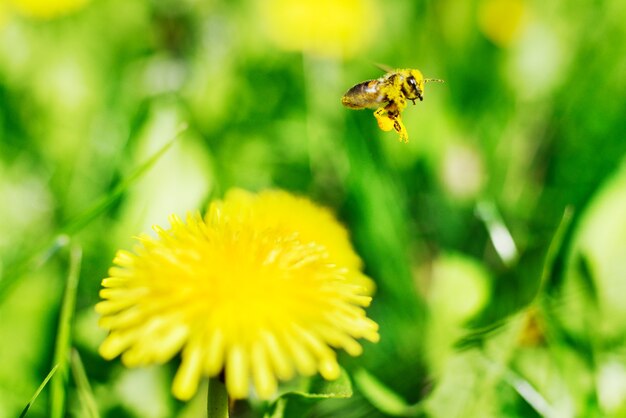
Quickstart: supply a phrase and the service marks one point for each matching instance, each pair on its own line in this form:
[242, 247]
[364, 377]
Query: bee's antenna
[435, 80]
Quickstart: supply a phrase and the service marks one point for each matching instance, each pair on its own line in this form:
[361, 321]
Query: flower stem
[217, 399]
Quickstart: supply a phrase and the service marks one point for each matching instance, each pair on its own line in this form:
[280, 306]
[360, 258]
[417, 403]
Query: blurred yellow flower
[3, 13]
[501, 21]
[262, 288]
[322, 27]
[46, 9]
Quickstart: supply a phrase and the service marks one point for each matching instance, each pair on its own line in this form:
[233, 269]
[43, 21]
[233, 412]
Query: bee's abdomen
[363, 95]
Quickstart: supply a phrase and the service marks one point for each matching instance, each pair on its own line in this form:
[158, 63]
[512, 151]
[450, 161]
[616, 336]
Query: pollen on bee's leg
[385, 122]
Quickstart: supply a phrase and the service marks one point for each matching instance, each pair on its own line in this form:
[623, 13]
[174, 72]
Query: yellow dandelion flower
[322, 27]
[262, 288]
[502, 21]
[47, 9]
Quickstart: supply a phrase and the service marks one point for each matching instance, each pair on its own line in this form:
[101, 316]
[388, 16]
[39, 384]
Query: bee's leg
[388, 118]
[394, 112]
[394, 116]
[379, 112]
[401, 129]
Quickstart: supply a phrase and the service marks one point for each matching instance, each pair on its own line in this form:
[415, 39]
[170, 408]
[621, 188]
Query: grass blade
[529, 393]
[383, 398]
[41, 253]
[99, 207]
[83, 387]
[499, 233]
[38, 391]
[61, 354]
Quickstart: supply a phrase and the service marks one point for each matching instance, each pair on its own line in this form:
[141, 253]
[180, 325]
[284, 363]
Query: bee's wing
[384, 67]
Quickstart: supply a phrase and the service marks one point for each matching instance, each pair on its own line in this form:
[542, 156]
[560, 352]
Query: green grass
[495, 236]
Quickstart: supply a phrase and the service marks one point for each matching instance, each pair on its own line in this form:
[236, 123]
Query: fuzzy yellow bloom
[502, 21]
[47, 9]
[322, 27]
[262, 288]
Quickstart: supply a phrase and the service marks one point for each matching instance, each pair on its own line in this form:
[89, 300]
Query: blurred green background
[496, 236]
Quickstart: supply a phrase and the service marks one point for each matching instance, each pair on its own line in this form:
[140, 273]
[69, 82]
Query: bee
[389, 95]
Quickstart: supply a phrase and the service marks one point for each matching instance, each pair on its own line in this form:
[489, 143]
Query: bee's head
[415, 81]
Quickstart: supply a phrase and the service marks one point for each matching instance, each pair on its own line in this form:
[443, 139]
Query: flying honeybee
[389, 95]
